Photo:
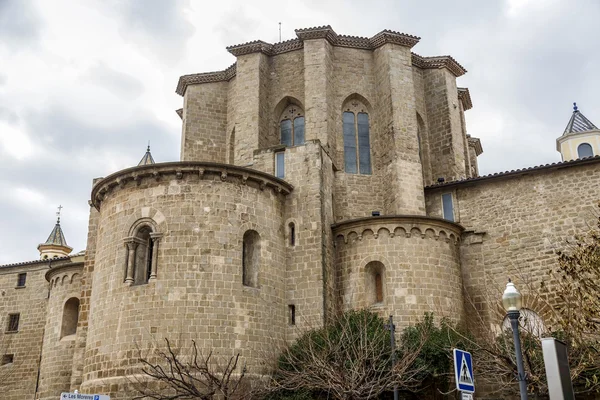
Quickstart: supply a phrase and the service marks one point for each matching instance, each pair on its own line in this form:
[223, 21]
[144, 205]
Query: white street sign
[467, 396]
[79, 396]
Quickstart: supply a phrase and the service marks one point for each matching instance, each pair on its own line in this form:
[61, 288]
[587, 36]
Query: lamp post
[511, 299]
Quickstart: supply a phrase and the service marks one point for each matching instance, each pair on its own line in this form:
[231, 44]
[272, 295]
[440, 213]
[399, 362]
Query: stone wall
[204, 135]
[18, 380]
[58, 348]
[514, 224]
[202, 211]
[420, 266]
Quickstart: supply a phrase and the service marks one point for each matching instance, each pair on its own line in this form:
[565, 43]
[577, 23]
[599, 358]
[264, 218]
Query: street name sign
[463, 371]
[80, 396]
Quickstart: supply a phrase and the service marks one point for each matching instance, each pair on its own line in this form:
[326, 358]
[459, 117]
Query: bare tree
[350, 359]
[170, 373]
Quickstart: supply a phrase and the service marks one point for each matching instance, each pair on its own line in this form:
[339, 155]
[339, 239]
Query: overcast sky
[85, 84]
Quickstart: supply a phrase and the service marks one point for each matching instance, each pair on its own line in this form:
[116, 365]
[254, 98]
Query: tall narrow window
[585, 150]
[70, 317]
[21, 279]
[374, 282]
[232, 147]
[280, 164]
[292, 314]
[448, 206]
[13, 322]
[292, 232]
[291, 126]
[357, 143]
[143, 256]
[250, 258]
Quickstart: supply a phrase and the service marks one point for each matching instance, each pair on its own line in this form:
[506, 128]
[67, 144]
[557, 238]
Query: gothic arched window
[70, 317]
[357, 144]
[250, 258]
[585, 150]
[291, 126]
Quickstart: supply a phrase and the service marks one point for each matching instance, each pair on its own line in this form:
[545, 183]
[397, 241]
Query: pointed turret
[147, 159]
[56, 244]
[580, 139]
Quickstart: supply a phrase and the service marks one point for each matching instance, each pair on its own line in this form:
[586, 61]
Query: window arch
[357, 143]
[585, 150]
[374, 282]
[250, 258]
[529, 321]
[142, 253]
[70, 317]
[291, 126]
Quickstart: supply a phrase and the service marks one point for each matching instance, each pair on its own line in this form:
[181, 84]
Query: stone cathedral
[319, 174]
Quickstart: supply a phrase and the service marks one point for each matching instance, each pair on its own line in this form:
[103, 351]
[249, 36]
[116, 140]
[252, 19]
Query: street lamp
[511, 299]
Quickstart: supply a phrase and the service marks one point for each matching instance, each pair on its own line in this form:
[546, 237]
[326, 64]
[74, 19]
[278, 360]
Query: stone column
[131, 247]
[155, 237]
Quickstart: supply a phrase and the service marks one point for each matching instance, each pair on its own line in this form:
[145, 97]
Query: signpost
[79, 396]
[463, 373]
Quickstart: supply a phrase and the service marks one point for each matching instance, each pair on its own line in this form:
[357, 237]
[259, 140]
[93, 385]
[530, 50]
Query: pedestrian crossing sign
[463, 371]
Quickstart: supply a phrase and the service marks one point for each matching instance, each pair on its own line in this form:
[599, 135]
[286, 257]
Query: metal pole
[514, 322]
[392, 329]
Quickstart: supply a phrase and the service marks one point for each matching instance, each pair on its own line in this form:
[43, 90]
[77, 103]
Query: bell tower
[580, 139]
[56, 244]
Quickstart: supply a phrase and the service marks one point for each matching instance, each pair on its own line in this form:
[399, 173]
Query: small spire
[56, 244]
[574, 107]
[60, 207]
[578, 122]
[147, 159]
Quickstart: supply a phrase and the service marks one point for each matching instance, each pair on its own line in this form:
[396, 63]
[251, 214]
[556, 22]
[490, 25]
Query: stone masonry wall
[204, 123]
[18, 380]
[421, 108]
[421, 266]
[198, 293]
[57, 352]
[444, 130]
[514, 225]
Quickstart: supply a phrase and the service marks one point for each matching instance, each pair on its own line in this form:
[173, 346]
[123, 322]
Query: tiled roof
[578, 122]
[517, 172]
[23, 263]
[56, 237]
[147, 159]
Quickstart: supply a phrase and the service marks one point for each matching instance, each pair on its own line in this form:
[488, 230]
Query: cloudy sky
[85, 84]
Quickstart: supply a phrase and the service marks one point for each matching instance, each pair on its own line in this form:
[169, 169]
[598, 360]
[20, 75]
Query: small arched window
[142, 251]
[374, 282]
[70, 317]
[250, 258]
[232, 147]
[585, 150]
[291, 126]
[529, 321]
[357, 143]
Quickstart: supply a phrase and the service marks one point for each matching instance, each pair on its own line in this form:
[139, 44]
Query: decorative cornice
[327, 33]
[180, 112]
[438, 62]
[475, 143]
[78, 266]
[403, 225]
[465, 98]
[178, 170]
[205, 77]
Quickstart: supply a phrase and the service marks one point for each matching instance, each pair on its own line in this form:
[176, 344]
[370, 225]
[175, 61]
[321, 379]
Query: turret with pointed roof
[580, 139]
[56, 244]
[147, 159]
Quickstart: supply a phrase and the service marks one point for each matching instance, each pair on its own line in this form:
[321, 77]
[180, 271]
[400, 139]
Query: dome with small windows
[581, 138]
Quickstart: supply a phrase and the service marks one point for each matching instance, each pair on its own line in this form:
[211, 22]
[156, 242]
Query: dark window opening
[585, 150]
[280, 164]
[378, 288]
[292, 314]
[8, 359]
[21, 279]
[292, 234]
[357, 145]
[143, 256]
[13, 322]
